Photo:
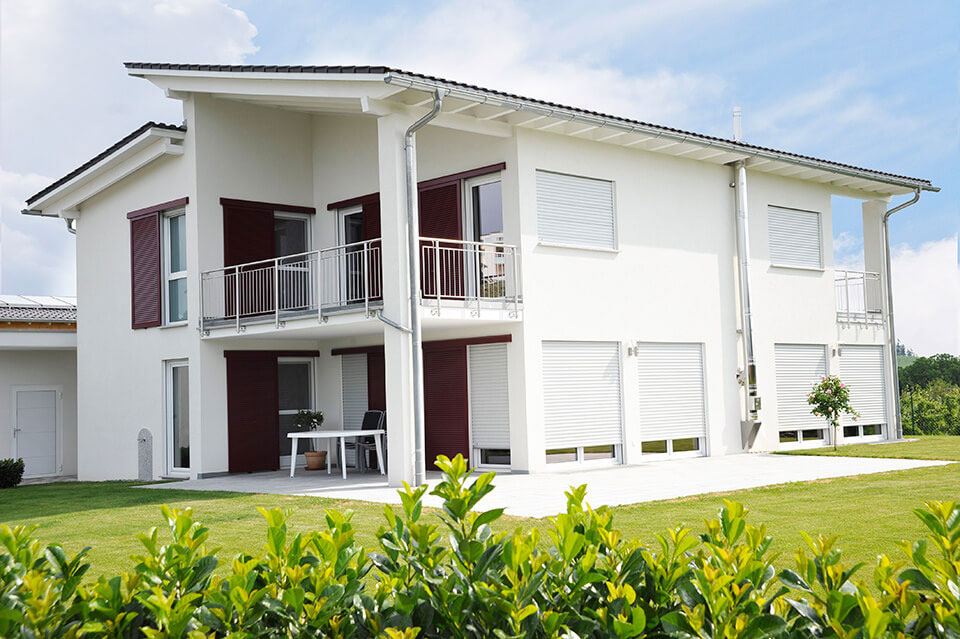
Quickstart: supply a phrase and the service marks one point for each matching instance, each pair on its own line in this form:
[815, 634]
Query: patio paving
[541, 495]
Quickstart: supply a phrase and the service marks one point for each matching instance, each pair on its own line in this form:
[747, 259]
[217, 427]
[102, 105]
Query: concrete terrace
[542, 495]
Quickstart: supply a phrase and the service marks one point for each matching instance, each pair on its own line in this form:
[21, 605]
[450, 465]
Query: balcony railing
[859, 297]
[345, 278]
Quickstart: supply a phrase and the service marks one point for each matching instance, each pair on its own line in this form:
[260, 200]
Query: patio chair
[372, 420]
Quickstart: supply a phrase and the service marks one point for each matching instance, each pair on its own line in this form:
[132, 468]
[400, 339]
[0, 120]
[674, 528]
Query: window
[489, 403]
[851, 431]
[175, 266]
[484, 223]
[794, 238]
[685, 447]
[671, 397]
[295, 393]
[178, 416]
[575, 211]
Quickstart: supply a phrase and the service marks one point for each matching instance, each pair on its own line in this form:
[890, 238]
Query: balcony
[859, 296]
[454, 274]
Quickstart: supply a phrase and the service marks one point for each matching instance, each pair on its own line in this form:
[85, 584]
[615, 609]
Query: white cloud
[504, 45]
[66, 97]
[848, 252]
[926, 293]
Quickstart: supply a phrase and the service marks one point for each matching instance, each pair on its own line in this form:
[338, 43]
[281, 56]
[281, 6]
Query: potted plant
[830, 398]
[311, 420]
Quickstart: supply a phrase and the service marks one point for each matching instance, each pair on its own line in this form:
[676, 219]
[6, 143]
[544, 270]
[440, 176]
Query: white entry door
[35, 430]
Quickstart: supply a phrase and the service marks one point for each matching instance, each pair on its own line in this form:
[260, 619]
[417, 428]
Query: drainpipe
[748, 376]
[891, 334]
[413, 252]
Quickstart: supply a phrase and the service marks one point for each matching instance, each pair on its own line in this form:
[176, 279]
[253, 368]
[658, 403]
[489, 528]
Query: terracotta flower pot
[316, 459]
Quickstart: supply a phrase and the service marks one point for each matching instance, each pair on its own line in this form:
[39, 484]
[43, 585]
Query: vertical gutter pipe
[749, 374]
[413, 267]
[891, 334]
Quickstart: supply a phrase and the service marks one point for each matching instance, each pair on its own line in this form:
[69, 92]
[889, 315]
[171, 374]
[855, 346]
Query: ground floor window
[807, 435]
[489, 404]
[178, 415]
[494, 456]
[582, 454]
[692, 445]
[862, 430]
[295, 393]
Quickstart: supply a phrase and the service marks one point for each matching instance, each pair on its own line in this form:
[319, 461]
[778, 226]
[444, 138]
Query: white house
[587, 289]
[38, 383]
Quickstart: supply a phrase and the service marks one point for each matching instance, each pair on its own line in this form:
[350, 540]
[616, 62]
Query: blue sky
[868, 83]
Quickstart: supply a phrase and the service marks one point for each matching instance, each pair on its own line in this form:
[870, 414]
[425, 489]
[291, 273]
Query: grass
[944, 447]
[870, 512]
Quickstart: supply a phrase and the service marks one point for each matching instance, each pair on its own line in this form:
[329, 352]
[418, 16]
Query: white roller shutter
[581, 394]
[794, 237]
[575, 210]
[489, 396]
[671, 391]
[798, 366]
[353, 370]
[862, 370]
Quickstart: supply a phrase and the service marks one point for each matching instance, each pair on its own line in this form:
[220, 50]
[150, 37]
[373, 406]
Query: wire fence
[931, 410]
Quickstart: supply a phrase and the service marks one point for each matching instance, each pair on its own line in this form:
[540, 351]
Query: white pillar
[397, 347]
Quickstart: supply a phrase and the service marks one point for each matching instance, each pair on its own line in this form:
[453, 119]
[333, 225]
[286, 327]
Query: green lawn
[925, 447]
[870, 513]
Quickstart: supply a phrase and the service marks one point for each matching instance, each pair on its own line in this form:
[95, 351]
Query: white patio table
[342, 435]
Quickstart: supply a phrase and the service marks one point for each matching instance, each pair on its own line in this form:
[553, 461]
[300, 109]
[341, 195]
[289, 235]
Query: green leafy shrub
[453, 576]
[11, 472]
[934, 410]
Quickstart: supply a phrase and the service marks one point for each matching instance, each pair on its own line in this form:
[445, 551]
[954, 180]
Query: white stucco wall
[56, 368]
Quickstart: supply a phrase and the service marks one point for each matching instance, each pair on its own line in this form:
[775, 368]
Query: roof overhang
[63, 197]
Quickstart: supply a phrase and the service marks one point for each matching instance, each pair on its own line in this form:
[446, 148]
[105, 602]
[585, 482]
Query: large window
[175, 266]
[575, 211]
[178, 416]
[794, 238]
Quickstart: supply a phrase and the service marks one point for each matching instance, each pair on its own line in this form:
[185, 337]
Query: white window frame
[584, 247]
[169, 455]
[168, 275]
[820, 243]
[301, 460]
[801, 443]
[58, 389]
[342, 214]
[306, 218]
[701, 450]
[467, 194]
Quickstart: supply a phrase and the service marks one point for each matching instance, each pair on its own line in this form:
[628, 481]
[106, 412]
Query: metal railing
[472, 272]
[859, 296]
[350, 277]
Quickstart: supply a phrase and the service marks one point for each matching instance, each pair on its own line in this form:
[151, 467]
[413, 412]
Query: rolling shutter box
[798, 366]
[862, 370]
[145, 275]
[672, 397]
[575, 211]
[581, 394]
[794, 237]
[489, 396]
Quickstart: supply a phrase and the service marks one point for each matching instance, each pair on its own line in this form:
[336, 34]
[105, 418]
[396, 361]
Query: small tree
[830, 399]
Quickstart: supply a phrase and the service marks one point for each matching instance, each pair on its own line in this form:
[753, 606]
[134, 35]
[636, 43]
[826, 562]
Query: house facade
[578, 282]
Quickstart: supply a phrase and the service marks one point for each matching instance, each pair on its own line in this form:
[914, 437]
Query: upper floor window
[575, 211]
[795, 238]
[175, 266]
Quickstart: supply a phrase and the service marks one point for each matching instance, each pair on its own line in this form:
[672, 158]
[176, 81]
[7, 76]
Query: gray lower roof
[38, 308]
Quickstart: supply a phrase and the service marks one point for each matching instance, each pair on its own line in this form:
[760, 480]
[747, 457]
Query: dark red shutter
[441, 217]
[371, 217]
[145, 276]
[247, 235]
[376, 382]
[371, 231]
[445, 403]
[252, 412]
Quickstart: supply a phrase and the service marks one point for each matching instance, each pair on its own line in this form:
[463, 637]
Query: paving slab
[542, 494]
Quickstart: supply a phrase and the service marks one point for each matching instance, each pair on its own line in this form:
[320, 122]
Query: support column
[397, 346]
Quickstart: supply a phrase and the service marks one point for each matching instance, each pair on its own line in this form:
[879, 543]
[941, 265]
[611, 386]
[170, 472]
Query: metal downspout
[413, 241]
[748, 376]
[891, 334]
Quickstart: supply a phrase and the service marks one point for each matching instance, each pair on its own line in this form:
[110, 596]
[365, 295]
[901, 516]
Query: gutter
[601, 121]
[891, 333]
[70, 221]
[413, 268]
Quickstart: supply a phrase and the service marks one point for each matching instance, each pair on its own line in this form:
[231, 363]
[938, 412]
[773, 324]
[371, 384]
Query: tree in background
[923, 371]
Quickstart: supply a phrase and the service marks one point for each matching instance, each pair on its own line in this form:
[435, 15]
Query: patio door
[295, 392]
[291, 238]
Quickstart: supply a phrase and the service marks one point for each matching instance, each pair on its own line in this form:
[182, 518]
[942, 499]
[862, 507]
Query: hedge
[456, 578]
